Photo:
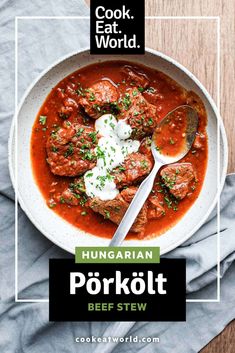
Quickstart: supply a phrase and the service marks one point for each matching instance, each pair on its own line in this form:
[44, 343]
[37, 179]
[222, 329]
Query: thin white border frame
[214, 18]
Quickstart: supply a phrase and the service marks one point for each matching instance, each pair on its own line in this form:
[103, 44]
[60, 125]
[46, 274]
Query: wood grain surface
[193, 43]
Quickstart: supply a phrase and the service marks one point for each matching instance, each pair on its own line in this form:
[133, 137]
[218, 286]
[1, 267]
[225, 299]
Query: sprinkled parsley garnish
[126, 101]
[69, 151]
[43, 119]
[93, 136]
[107, 214]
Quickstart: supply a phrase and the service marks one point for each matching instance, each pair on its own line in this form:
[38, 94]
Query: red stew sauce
[170, 136]
[65, 105]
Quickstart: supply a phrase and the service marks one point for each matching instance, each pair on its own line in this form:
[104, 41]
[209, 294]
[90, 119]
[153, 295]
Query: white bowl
[63, 233]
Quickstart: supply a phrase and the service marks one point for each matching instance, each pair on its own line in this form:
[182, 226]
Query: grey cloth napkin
[24, 327]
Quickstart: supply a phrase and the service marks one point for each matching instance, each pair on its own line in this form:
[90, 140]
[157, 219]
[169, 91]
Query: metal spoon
[160, 158]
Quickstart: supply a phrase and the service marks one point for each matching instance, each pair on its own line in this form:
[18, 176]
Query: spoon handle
[135, 207]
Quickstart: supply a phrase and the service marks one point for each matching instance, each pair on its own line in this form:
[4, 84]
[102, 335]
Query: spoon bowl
[187, 119]
[171, 141]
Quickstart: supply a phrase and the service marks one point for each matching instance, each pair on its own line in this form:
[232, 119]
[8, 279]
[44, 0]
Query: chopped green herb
[97, 107]
[83, 200]
[107, 214]
[114, 107]
[144, 164]
[77, 187]
[150, 121]
[77, 196]
[79, 132]
[54, 149]
[88, 156]
[43, 119]
[100, 154]
[135, 93]
[168, 202]
[69, 151]
[92, 97]
[126, 101]
[51, 203]
[80, 91]
[150, 90]
[63, 115]
[158, 149]
[169, 181]
[62, 199]
[93, 136]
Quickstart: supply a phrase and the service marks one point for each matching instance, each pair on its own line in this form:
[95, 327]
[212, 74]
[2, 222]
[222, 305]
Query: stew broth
[161, 92]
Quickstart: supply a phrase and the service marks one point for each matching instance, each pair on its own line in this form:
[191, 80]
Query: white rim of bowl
[179, 66]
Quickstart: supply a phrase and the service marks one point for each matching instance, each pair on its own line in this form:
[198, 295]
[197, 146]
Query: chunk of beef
[68, 91]
[177, 177]
[70, 150]
[100, 97]
[129, 193]
[69, 107]
[74, 194]
[137, 78]
[155, 208]
[115, 209]
[69, 197]
[145, 147]
[139, 114]
[135, 167]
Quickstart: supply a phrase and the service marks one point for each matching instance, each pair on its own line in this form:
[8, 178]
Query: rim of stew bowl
[32, 201]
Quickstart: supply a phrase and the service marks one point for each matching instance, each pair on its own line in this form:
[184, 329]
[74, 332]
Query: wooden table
[194, 44]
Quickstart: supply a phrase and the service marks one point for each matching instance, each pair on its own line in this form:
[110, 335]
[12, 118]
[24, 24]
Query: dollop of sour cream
[113, 147]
